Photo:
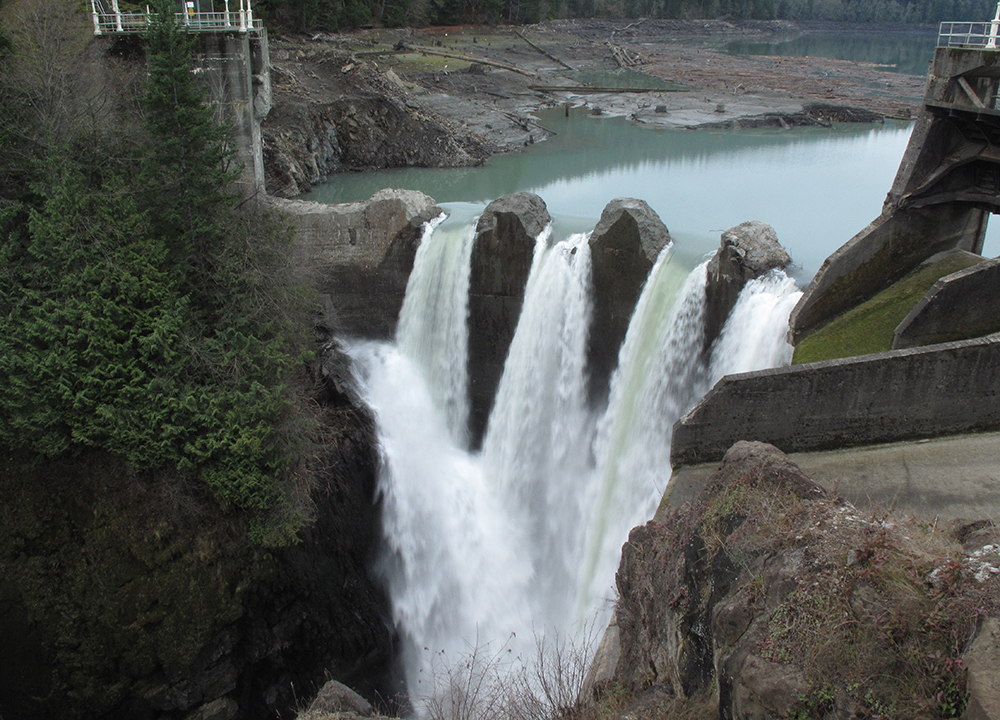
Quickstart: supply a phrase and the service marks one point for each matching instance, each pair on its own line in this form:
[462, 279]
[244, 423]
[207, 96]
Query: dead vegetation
[851, 614]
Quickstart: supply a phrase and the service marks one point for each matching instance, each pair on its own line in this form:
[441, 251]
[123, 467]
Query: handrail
[133, 22]
[970, 34]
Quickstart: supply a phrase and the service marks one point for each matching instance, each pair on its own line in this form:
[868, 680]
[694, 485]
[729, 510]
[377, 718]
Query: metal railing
[108, 21]
[968, 34]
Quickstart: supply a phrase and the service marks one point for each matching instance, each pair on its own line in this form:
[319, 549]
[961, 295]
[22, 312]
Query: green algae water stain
[816, 186]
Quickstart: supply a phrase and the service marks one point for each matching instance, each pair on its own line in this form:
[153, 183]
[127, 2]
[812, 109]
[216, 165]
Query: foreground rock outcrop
[770, 598]
[746, 252]
[624, 246]
[501, 260]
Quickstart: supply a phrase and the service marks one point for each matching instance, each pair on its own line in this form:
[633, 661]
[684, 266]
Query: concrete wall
[882, 253]
[965, 304]
[501, 261]
[237, 70]
[904, 235]
[946, 478]
[624, 246]
[902, 394]
[360, 256]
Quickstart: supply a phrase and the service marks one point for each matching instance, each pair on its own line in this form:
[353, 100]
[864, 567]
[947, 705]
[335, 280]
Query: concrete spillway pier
[231, 53]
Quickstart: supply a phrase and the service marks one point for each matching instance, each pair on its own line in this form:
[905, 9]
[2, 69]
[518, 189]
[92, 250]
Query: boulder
[624, 246]
[360, 256]
[501, 261]
[768, 598]
[746, 252]
[982, 661]
[335, 697]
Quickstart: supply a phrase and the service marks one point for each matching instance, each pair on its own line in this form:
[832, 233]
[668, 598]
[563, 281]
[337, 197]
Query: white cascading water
[659, 376]
[431, 330]
[754, 335]
[453, 566]
[535, 451]
[486, 550]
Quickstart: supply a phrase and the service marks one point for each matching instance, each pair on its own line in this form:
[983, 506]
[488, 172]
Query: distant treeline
[312, 15]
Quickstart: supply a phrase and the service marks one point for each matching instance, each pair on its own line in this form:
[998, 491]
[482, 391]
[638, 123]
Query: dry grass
[883, 612]
[495, 683]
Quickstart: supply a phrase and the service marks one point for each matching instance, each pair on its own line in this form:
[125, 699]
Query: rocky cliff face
[332, 113]
[126, 595]
[770, 598]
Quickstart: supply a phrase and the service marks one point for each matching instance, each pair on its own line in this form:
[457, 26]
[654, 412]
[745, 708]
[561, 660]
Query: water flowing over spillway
[432, 321]
[753, 337]
[490, 550]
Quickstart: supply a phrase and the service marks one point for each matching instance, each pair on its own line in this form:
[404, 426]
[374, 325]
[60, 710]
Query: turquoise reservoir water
[908, 52]
[817, 187]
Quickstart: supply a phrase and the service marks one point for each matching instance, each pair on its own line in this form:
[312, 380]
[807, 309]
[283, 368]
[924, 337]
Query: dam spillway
[488, 550]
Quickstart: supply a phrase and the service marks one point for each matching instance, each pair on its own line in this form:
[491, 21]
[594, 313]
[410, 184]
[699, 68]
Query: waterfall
[454, 564]
[658, 378]
[484, 549]
[535, 449]
[431, 330]
[754, 335]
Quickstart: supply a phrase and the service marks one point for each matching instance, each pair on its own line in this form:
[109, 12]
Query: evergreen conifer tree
[188, 171]
[145, 314]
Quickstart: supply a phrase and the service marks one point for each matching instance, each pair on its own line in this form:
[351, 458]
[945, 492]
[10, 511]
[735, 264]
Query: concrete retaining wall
[906, 233]
[947, 478]
[237, 70]
[360, 256]
[882, 253]
[961, 305]
[902, 394]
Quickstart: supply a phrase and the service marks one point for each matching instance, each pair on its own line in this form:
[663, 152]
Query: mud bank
[451, 97]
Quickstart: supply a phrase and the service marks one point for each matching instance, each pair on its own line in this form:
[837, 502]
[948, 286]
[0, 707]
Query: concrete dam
[907, 412]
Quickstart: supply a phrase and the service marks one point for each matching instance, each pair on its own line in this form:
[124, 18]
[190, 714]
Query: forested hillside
[313, 15]
[146, 308]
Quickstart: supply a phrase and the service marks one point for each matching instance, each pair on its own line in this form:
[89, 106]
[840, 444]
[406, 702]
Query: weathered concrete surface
[361, 255]
[624, 246]
[501, 261]
[237, 68]
[947, 182]
[882, 253]
[965, 304]
[746, 252]
[901, 394]
[946, 478]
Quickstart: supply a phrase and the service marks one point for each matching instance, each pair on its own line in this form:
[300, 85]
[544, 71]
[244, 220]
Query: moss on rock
[869, 327]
